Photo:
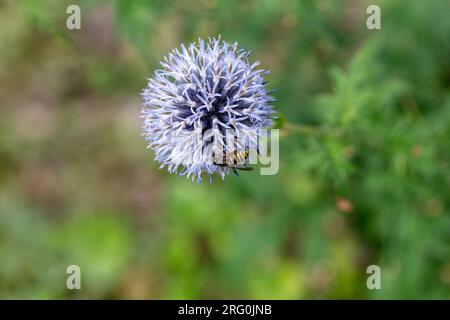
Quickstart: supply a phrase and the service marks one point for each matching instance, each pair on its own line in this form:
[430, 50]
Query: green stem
[303, 129]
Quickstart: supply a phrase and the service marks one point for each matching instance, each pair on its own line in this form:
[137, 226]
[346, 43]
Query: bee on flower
[204, 94]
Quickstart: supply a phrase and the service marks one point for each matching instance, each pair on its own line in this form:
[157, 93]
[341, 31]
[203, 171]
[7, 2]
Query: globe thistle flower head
[202, 93]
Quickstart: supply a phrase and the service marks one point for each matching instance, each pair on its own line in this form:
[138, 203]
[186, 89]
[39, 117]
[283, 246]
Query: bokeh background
[78, 186]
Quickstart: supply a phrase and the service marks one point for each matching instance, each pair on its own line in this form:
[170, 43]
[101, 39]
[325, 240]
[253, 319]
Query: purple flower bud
[203, 92]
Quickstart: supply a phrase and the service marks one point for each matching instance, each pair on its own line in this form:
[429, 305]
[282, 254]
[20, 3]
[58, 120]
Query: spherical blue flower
[204, 92]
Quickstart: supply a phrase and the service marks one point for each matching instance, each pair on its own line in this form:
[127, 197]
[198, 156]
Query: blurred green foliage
[79, 187]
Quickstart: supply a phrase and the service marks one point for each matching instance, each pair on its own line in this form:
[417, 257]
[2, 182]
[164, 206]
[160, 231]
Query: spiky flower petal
[204, 91]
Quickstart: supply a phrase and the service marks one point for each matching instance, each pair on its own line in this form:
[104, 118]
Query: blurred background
[78, 186]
